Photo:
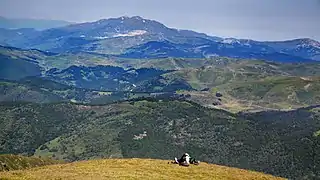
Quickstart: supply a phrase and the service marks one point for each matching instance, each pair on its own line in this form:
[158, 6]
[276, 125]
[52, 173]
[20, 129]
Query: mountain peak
[311, 42]
[306, 42]
[137, 17]
[131, 21]
[230, 41]
[124, 18]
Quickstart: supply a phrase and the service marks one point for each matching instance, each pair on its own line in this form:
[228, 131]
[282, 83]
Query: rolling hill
[48, 60]
[135, 169]
[83, 71]
[246, 84]
[14, 67]
[273, 92]
[9, 162]
[251, 85]
[269, 142]
[110, 78]
[14, 91]
[41, 90]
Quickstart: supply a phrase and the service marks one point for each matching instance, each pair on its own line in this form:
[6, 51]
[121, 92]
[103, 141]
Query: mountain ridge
[118, 35]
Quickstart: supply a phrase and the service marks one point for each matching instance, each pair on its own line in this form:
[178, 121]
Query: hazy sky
[255, 19]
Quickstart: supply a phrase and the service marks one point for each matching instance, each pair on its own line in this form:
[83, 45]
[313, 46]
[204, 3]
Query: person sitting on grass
[186, 160]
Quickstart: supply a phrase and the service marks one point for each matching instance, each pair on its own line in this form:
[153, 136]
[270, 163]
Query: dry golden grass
[134, 169]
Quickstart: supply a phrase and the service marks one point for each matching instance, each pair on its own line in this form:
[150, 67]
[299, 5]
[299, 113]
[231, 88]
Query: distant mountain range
[39, 24]
[255, 50]
[136, 37]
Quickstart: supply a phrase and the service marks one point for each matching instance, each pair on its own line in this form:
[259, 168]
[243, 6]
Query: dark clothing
[182, 159]
[186, 160]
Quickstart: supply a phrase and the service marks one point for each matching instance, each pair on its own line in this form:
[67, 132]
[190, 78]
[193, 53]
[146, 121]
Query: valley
[244, 84]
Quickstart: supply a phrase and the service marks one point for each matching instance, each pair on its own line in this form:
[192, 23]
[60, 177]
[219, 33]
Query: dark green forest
[284, 143]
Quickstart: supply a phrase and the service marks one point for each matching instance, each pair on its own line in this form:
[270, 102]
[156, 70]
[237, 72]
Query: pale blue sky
[255, 19]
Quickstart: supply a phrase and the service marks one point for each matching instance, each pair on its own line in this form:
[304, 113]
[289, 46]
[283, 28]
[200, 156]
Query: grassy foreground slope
[9, 162]
[135, 169]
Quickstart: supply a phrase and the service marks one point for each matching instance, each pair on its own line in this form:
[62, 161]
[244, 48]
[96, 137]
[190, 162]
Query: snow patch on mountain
[230, 41]
[309, 44]
[199, 48]
[101, 37]
[247, 42]
[132, 33]
[124, 17]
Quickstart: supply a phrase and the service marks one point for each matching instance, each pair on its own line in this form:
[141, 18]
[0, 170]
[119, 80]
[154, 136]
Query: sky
[248, 19]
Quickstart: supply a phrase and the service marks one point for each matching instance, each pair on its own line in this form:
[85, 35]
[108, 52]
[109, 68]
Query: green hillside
[245, 84]
[275, 92]
[282, 93]
[14, 162]
[14, 91]
[135, 169]
[269, 142]
[40, 90]
[224, 71]
[47, 60]
[253, 85]
[14, 69]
